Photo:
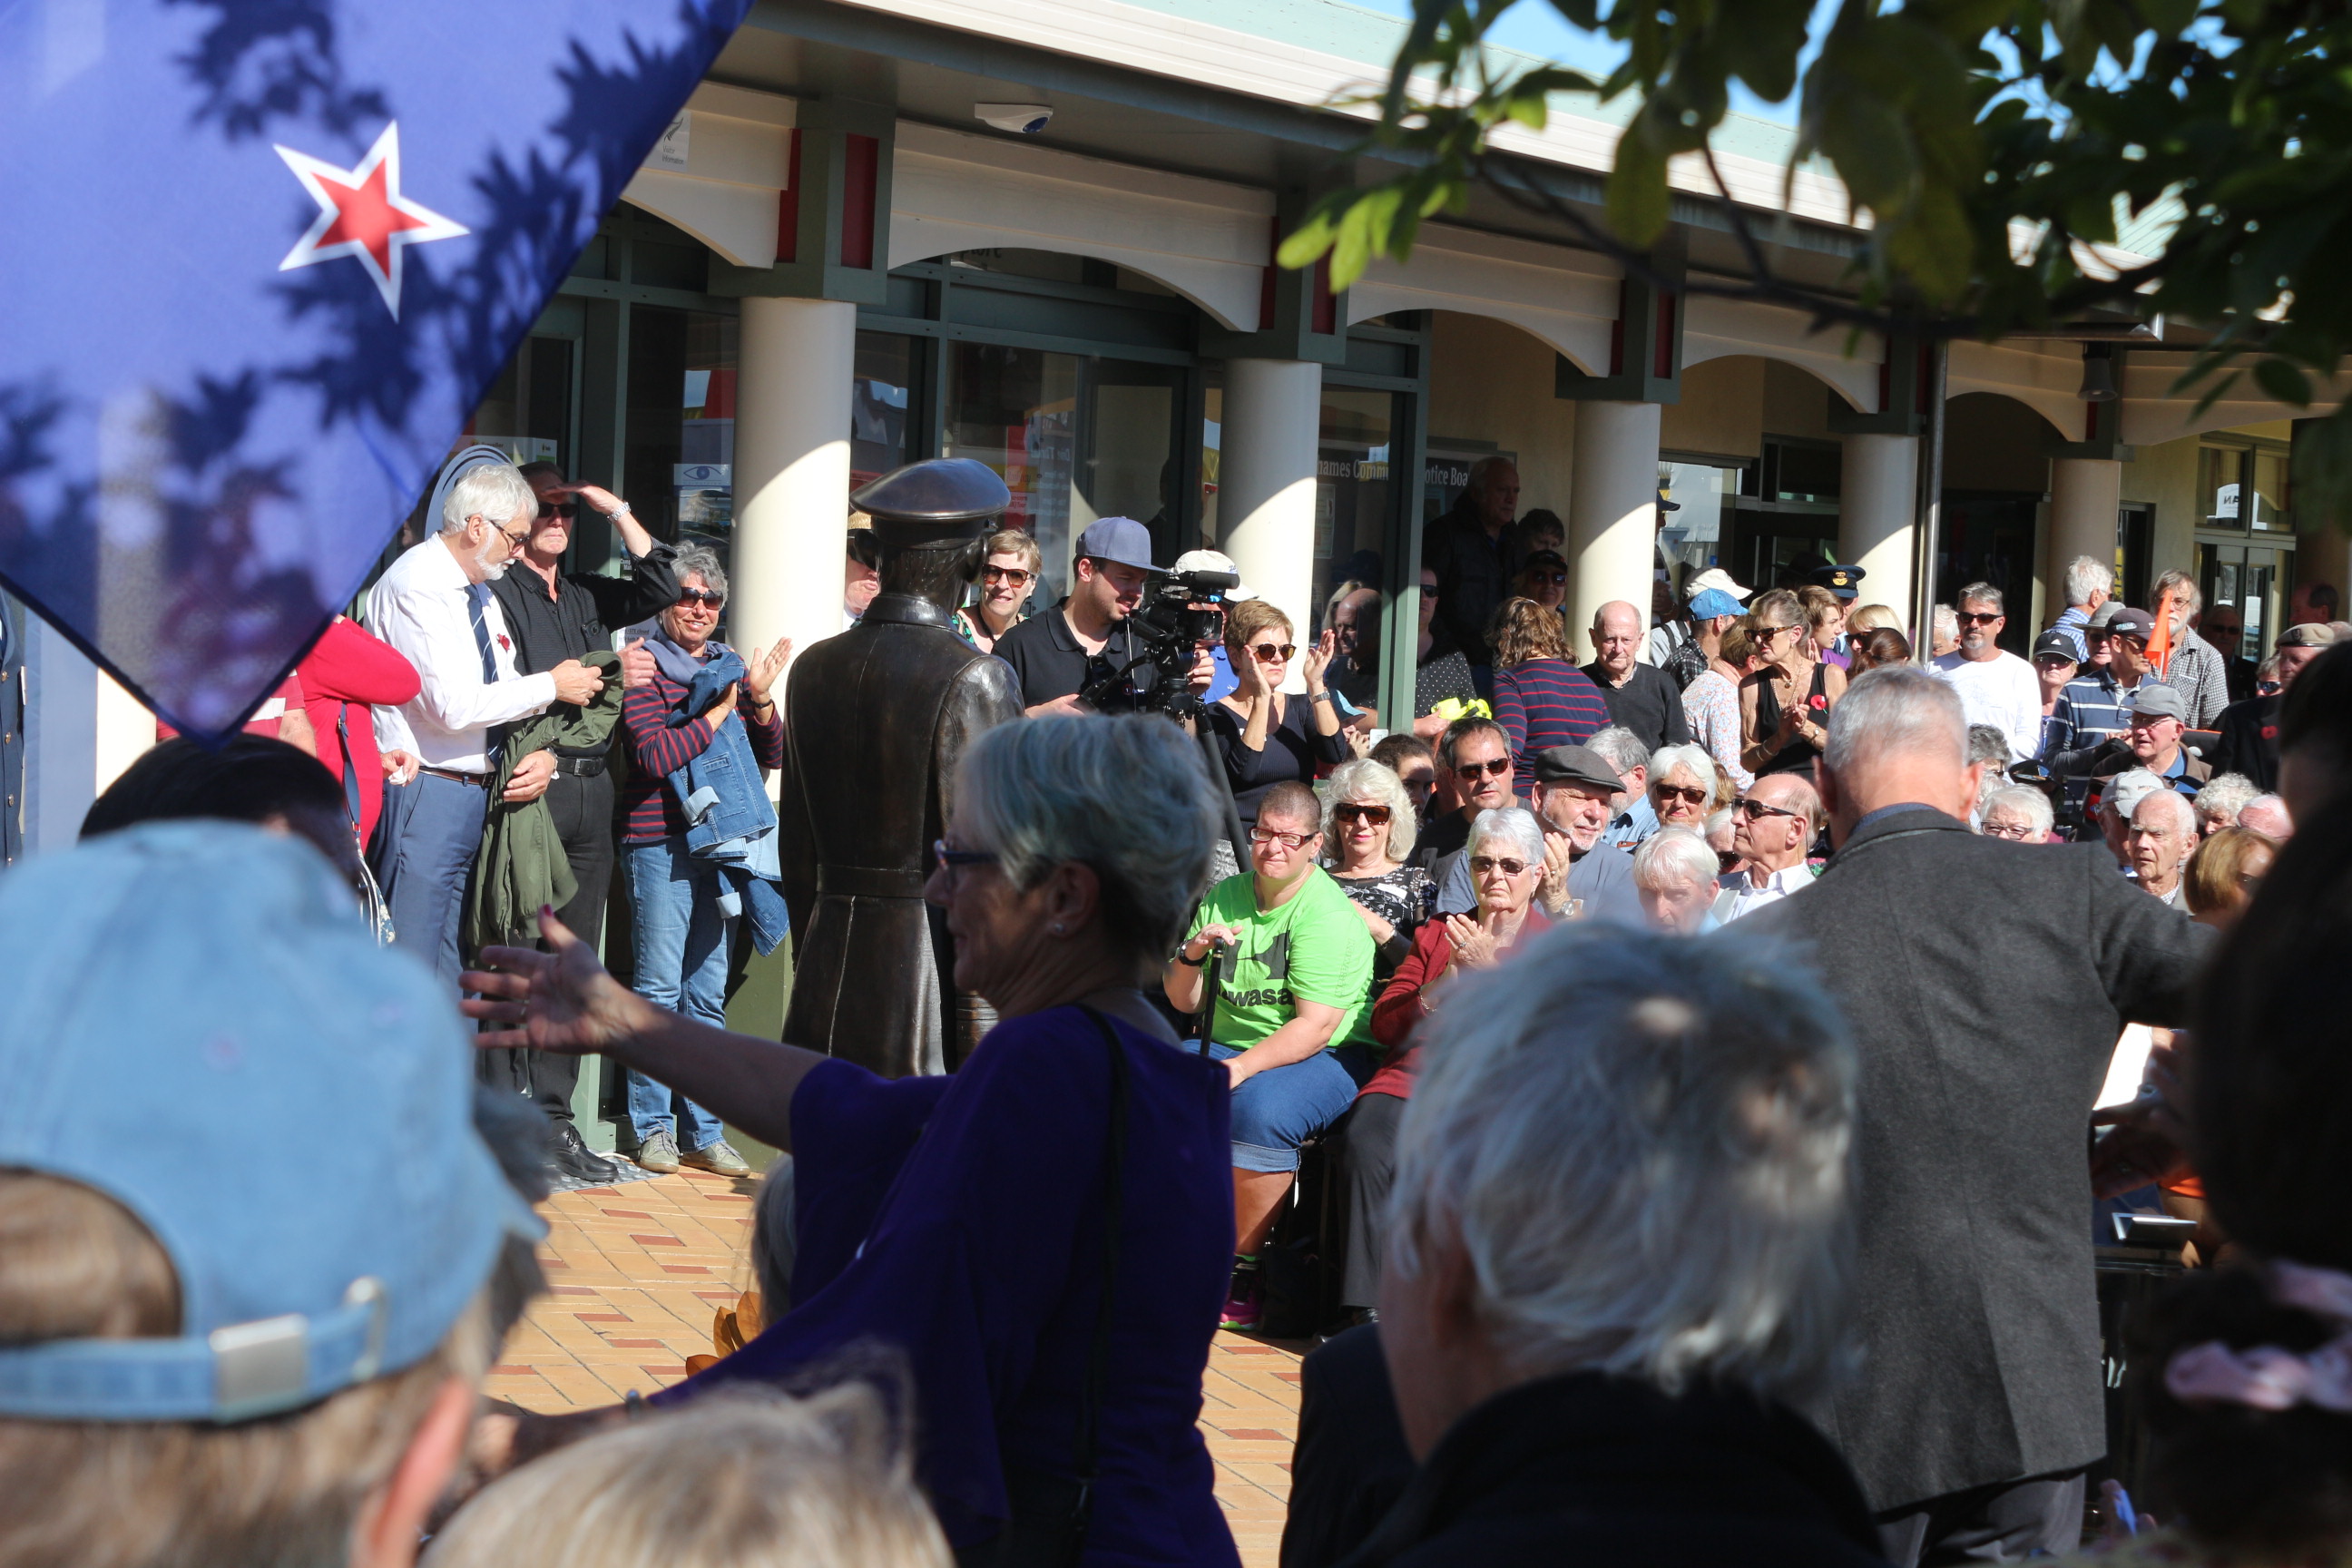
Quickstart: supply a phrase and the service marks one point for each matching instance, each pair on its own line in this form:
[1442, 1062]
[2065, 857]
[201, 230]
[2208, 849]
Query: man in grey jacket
[1986, 982]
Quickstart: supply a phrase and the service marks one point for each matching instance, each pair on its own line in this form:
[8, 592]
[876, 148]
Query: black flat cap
[1577, 764]
[938, 498]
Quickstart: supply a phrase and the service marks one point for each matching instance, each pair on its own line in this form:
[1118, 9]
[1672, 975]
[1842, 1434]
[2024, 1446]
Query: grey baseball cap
[2158, 700]
[1120, 539]
[199, 1025]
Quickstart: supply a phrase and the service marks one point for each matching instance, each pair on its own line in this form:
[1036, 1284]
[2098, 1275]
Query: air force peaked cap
[199, 1025]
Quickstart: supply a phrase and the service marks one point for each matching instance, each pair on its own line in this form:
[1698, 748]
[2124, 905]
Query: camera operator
[1055, 654]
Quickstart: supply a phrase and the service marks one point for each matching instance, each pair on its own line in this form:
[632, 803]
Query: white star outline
[308, 252]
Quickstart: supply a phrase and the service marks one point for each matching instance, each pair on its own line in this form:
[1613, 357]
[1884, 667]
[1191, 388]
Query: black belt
[479, 781]
[579, 767]
[869, 882]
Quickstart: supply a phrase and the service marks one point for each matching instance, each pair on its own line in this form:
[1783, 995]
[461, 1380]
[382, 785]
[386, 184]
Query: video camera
[1181, 610]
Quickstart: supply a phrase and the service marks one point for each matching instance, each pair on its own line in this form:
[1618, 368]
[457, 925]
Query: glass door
[2253, 577]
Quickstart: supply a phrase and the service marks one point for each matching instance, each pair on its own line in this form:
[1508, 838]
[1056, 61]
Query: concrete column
[61, 738]
[2085, 495]
[792, 469]
[1877, 498]
[1612, 513]
[1266, 484]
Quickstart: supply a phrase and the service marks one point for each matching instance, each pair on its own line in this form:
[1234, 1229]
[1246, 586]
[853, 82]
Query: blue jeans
[1277, 1111]
[425, 844]
[682, 944]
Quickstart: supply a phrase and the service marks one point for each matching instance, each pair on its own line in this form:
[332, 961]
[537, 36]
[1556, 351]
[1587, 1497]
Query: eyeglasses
[1976, 618]
[1288, 840]
[520, 538]
[1493, 768]
[566, 510]
[1687, 794]
[1752, 809]
[1271, 653]
[953, 861]
[1555, 579]
[700, 596]
[2269, 688]
[1481, 864]
[2018, 831]
[1349, 810]
[1014, 576]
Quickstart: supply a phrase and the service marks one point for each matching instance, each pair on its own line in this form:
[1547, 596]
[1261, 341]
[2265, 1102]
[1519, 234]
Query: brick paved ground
[637, 1270]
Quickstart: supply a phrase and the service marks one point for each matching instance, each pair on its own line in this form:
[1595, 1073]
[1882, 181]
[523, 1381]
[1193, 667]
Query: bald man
[1640, 696]
[1772, 826]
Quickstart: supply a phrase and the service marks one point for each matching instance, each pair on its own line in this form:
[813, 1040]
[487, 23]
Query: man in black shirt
[1640, 696]
[2248, 738]
[1470, 548]
[555, 616]
[1055, 654]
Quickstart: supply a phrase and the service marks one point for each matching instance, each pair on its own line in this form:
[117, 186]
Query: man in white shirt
[434, 605]
[1996, 688]
[1771, 827]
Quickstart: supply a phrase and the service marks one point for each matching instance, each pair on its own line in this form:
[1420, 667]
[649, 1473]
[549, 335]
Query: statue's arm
[986, 693]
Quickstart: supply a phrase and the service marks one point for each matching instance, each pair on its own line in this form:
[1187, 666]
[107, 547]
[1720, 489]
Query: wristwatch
[1190, 963]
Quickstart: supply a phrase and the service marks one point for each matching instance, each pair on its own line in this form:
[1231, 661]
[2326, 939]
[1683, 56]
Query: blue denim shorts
[1279, 1109]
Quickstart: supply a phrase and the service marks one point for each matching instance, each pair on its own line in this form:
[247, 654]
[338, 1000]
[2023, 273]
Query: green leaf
[2323, 472]
[1638, 202]
[2283, 381]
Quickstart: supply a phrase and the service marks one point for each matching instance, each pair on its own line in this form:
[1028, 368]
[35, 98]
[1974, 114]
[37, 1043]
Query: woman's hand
[761, 677]
[717, 713]
[1473, 944]
[1319, 659]
[559, 1001]
[1560, 857]
[1196, 946]
[1249, 681]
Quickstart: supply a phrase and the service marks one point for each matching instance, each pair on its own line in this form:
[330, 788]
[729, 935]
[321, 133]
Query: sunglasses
[1481, 864]
[1274, 653]
[1972, 618]
[1013, 576]
[566, 510]
[1497, 768]
[700, 596]
[1752, 809]
[1288, 840]
[1687, 794]
[1765, 634]
[1554, 579]
[1349, 811]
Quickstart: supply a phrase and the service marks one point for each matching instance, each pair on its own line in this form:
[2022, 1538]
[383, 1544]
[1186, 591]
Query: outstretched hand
[562, 1000]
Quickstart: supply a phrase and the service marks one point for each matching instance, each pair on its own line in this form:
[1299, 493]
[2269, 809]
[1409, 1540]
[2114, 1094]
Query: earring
[1059, 928]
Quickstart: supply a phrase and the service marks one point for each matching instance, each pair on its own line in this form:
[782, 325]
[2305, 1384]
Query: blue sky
[1533, 26]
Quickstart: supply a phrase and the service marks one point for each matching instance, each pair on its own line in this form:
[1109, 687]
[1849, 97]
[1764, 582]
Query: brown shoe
[718, 1159]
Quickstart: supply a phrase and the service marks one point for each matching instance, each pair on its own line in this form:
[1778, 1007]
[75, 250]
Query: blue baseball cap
[1708, 603]
[181, 997]
[1120, 539]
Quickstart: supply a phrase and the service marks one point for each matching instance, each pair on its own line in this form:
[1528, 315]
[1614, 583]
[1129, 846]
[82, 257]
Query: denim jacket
[730, 818]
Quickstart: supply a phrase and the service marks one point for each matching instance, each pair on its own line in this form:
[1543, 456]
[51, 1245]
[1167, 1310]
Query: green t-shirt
[1315, 946]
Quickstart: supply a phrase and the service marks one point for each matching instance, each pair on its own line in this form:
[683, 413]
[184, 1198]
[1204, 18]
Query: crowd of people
[1702, 1040]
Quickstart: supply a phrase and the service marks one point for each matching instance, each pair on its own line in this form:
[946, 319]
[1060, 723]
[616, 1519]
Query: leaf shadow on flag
[160, 571]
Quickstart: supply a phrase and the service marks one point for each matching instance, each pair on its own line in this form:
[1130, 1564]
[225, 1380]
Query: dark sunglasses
[1493, 769]
[1752, 809]
[700, 596]
[1555, 579]
[566, 510]
[1349, 811]
[1481, 864]
[1267, 652]
[1971, 618]
[1017, 577]
[1687, 794]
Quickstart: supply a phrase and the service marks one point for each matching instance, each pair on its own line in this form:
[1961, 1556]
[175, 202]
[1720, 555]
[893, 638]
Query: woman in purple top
[973, 1223]
[1540, 698]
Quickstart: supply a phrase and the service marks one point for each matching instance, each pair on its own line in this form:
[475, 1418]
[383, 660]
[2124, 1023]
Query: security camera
[1024, 119]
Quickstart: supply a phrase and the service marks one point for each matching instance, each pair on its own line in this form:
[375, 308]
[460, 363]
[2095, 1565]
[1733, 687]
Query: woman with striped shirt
[1541, 700]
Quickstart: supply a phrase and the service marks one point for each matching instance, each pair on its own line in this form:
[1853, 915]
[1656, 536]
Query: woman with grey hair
[1687, 786]
[1368, 832]
[997, 1228]
[1617, 1259]
[1674, 876]
[2019, 813]
[1505, 854]
[706, 725]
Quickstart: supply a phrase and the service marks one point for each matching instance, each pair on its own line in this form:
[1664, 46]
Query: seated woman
[1686, 787]
[1541, 698]
[1368, 832]
[1292, 1017]
[1060, 1198]
[1675, 877]
[1505, 852]
[1266, 736]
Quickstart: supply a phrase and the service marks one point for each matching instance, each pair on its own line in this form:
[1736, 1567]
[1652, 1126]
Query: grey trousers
[1998, 1523]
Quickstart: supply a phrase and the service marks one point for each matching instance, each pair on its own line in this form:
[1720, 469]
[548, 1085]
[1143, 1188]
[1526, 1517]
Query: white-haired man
[1986, 982]
[1595, 1332]
[2088, 583]
[1772, 826]
[435, 607]
[2197, 670]
[2163, 831]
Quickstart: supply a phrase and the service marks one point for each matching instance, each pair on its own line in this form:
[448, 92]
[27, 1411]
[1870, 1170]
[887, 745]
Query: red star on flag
[361, 213]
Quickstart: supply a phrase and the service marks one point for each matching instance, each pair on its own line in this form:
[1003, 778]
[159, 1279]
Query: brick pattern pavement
[636, 1272]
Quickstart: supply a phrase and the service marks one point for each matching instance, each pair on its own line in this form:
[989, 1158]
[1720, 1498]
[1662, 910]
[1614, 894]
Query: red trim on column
[2090, 421]
[788, 205]
[861, 169]
[1662, 359]
[1326, 316]
[1886, 383]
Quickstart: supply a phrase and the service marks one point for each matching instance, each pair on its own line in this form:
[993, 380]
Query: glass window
[1354, 492]
[680, 469]
[879, 399]
[2220, 471]
[1017, 410]
[2269, 500]
[1692, 536]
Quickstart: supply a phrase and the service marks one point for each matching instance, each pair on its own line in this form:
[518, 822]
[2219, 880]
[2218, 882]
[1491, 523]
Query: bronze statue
[874, 723]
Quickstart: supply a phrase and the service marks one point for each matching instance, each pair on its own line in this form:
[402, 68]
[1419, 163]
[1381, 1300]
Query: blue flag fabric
[260, 261]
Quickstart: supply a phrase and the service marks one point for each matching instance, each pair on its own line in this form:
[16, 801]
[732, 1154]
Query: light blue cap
[1709, 602]
[198, 1025]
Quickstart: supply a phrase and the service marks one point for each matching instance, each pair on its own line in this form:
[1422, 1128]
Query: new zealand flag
[258, 260]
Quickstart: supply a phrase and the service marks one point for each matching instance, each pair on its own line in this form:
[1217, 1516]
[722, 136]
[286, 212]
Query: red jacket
[347, 673]
[1398, 1014]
